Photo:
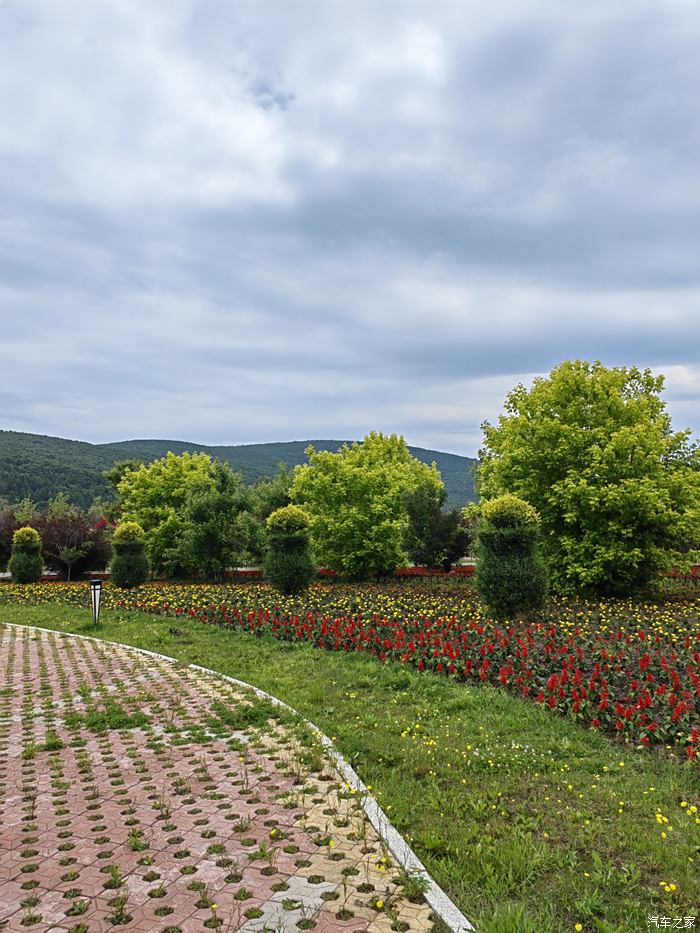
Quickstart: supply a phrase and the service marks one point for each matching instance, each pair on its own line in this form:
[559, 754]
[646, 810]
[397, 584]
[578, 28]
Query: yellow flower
[579, 926]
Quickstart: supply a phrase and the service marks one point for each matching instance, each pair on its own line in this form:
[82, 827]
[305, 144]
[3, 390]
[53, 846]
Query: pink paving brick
[135, 796]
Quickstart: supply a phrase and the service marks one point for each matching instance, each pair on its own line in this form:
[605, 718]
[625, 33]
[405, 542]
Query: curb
[441, 905]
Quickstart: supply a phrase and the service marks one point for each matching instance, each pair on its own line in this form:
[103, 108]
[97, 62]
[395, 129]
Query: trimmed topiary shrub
[25, 562]
[511, 577]
[130, 566]
[287, 564]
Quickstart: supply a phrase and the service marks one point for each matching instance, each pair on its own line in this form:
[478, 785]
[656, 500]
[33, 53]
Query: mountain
[39, 466]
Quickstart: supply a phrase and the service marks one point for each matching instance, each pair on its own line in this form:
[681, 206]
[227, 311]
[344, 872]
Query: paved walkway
[140, 794]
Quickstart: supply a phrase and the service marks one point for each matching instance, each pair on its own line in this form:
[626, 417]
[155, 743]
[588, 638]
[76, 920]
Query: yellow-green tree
[155, 497]
[617, 490]
[356, 503]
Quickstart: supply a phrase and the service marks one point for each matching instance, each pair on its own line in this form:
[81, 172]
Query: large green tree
[267, 495]
[593, 450]
[196, 513]
[217, 524]
[355, 500]
[155, 498]
[434, 538]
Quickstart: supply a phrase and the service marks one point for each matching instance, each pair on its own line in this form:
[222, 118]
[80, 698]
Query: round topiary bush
[509, 512]
[511, 577]
[130, 566]
[25, 562]
[288, 564]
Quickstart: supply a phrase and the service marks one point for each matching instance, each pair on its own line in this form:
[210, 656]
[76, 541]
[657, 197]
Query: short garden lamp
[96, 595]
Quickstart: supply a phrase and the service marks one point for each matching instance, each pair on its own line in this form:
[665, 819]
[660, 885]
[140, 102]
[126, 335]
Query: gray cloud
[260, 221]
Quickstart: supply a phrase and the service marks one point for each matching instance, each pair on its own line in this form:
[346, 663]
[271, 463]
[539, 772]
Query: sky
[263, 220]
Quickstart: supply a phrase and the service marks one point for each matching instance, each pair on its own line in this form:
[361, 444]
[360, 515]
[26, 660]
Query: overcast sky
[264, 220]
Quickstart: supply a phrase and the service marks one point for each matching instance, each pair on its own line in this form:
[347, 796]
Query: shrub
[509, 512]
[26, 563]
[511, 576]
[288, 564]
[130, 566]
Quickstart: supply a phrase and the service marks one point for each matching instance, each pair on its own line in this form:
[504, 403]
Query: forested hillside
[39, 466]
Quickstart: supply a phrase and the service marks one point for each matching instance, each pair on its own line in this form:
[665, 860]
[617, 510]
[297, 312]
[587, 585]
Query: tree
[511, 577]
[155, 498]
[456, 538]
[216, 530]
[130, 566]
[272, 492]
[26, 511]
[112, 510]
[118, 471]
[288, 564]
[266, 495]
[470, 518]
[8, 526]
[355, 500]
[26, 564]
[434, 538]
[592, 449]
[71, 541]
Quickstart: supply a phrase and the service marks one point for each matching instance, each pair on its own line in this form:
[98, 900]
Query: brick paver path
[140, 794]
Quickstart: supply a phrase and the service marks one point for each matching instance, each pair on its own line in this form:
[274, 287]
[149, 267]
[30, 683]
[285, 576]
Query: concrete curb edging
[441, 905]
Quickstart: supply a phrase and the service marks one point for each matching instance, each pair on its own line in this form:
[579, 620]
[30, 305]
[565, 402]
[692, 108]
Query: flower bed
[626, 668]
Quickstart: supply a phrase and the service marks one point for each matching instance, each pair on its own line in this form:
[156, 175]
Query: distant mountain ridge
[40, 466]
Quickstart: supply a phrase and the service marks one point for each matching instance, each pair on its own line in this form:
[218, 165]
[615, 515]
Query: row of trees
[613, 495]
[368, 508]
[198, 515]
[201, 519]
[361, 511]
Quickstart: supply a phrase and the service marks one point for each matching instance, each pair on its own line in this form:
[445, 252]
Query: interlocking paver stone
[142, 795]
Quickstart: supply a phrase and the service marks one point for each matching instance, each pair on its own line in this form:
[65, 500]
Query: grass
[528, 821]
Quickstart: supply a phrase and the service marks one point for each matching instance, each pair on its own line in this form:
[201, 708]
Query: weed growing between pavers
[158, 768]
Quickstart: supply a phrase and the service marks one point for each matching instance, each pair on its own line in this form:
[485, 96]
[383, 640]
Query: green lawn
[528, 821]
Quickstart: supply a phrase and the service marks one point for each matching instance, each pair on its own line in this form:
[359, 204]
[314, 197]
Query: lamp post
[96, 595]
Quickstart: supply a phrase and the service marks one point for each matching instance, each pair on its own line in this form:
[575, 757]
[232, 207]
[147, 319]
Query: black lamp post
[96, 595]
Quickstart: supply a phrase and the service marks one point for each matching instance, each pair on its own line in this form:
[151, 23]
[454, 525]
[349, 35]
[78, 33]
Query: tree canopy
[434, 538]
[355, 500]
[593, 450]
[155, 498]
[197, 514]
[217, 524]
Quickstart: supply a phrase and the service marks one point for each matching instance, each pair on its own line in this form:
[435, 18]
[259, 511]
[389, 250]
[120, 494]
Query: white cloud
[254, 221]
